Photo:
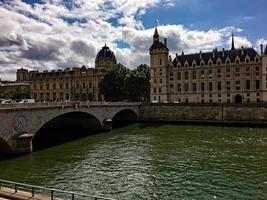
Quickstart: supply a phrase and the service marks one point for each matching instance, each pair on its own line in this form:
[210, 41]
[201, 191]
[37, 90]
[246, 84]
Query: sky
[56, 34]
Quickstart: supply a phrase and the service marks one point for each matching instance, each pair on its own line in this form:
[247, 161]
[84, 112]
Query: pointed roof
[156, 32]
[233, 42]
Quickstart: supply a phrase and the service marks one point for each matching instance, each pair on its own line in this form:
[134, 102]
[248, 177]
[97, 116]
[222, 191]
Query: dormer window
[227, 62]
[237, 60]
[219, 63]
[247, 60]
[257, 60]
[210, 63]
[194, 64]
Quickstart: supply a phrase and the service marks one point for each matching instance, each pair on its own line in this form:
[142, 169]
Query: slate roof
[158, 45]
[105, 52]
[223, 55]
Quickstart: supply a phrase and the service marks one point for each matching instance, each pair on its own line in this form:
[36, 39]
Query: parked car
[6, 101]
[27, 101]
[154, 101]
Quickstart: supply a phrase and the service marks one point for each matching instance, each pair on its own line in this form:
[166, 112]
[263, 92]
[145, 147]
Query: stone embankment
[206, 113]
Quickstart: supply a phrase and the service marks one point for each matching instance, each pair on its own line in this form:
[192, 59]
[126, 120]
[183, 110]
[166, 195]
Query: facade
[226, 76]
[76, 84]
[9, 89]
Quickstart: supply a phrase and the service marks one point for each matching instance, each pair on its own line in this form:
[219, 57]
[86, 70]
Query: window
[210, 86]
[67, 86]
[155, 90]
[178, 75]
[194, 87]
[160, 80]
[194, 75]
[237, 69]
[171, 85]
[247, 60]
[47, 86]
[186, 75]
[90, 85]
[186, 87]
[257, 68]
[155, 80]
[228, 70]
[257, 84]
[237, 61]
[159, 90]
[160, 61]
[219, 86]
[247, 84]
[202, 87]
[83, 85]
[179, 87]
[61, 86]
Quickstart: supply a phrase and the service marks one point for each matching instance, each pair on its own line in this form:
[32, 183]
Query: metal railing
[49, 192]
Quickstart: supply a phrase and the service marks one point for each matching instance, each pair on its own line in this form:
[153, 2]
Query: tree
[114, 83]
[121, 83]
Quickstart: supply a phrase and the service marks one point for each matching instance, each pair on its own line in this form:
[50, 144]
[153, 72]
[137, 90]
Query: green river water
[153, 161]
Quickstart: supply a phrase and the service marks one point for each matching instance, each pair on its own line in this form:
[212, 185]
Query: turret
[159, 61]
[156, 36]
[233, 42]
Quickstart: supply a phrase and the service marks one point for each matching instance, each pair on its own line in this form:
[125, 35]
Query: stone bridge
[20, 123]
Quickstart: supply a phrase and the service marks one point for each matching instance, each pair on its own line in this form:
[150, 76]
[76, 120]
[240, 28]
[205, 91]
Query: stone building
[225, 76]
[76, 84]
[10, 89]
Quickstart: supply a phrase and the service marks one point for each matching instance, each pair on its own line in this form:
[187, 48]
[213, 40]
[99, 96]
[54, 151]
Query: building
[225, 76]
[10, 89]
[76, 84]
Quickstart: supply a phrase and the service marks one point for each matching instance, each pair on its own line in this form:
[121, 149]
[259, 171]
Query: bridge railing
[53, 194]
[68, 104]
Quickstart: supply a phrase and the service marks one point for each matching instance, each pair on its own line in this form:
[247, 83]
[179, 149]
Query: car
[154, 101]
[27, 101]
[6, 101]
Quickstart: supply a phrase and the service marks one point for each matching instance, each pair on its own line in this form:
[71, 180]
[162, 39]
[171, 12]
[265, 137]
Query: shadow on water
[50, 137]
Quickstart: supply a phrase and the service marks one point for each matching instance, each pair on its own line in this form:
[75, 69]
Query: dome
[106, 53]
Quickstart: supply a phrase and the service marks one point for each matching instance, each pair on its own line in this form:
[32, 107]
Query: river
[153, 161]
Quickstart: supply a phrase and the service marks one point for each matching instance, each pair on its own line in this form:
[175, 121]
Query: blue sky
[50, 34]
[251, 16]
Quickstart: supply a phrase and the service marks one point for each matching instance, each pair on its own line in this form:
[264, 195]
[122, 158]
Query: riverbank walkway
[18, 191]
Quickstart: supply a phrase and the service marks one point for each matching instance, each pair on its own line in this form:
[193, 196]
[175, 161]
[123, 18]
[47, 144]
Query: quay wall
[206, 113]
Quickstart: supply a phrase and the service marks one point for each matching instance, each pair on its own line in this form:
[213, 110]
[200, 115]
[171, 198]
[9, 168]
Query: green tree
[121, 83]
[113, 86]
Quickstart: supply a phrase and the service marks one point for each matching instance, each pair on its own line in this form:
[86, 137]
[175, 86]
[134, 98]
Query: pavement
[9, 194]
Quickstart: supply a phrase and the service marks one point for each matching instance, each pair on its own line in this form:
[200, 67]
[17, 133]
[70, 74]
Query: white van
[27, 101]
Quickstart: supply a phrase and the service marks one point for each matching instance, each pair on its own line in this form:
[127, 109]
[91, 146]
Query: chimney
[213, 53]
[182, 53]
[176, 55]
[200, 55]
[261, 49]
[242, 50]
[223, 53]
[165, 41]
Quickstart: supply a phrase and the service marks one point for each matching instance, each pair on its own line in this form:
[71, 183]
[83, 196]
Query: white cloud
[239, 42]
[59, 34]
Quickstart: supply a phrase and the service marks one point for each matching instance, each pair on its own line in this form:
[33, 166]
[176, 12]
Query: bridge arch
[124, 117]
[65, 127]
[4, 147]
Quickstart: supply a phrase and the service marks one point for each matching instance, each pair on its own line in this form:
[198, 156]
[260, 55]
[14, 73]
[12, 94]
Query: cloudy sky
[51, 34]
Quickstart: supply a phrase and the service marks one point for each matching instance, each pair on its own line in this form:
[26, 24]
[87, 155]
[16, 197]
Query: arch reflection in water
[65, 128]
